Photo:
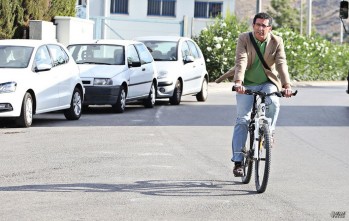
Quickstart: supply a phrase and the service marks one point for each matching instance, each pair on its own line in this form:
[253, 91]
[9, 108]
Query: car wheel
[202, 95]
[177, 94]
[26, 117]
[120, 105]
[150, 101]
[74, 112]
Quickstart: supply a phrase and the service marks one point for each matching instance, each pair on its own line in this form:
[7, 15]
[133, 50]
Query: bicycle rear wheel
[248, 158]
[262, 164]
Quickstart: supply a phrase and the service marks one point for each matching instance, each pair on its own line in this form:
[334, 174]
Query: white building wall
[138, 23]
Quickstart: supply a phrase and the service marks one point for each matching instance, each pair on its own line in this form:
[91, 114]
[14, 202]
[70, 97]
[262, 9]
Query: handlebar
[277, 93]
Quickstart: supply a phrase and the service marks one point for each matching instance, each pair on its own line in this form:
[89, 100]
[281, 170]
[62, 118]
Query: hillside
[325, 14]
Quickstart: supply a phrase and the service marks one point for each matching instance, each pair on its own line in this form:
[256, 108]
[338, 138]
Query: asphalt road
[173, 163]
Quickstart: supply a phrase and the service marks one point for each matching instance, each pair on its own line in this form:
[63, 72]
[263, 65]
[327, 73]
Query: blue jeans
[244, 107]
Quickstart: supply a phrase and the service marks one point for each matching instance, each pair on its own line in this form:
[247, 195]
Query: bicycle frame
[258, 118]
[259, 130]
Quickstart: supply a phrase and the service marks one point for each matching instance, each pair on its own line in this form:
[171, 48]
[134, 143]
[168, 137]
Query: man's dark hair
[263, 15]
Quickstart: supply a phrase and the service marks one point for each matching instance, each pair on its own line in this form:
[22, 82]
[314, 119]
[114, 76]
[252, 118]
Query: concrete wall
[70, 30]
[42, 30]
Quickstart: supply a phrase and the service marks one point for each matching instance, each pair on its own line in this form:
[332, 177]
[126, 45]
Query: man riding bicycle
[249, 72]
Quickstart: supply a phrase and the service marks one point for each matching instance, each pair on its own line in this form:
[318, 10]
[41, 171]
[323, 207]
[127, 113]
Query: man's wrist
[238, 83]
[287, 86]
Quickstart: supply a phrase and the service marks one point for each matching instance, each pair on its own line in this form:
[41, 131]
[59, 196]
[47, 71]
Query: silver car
[181, 67]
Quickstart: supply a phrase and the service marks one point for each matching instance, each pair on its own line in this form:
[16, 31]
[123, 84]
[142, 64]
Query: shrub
[314, 58]
[309, 58]
[218, 44]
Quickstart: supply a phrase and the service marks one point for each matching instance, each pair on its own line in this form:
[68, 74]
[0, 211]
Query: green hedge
[309, 58]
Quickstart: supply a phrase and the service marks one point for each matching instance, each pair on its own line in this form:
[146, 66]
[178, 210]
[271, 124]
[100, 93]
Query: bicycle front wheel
[248, 158]
[262, 164]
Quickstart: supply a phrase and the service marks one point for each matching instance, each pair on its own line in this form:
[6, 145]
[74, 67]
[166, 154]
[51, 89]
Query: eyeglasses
[261, 25]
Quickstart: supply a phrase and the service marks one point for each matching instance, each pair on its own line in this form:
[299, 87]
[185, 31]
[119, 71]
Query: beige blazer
[274, 56]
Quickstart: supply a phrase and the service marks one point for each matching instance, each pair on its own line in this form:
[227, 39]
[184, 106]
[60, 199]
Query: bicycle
[258, 138]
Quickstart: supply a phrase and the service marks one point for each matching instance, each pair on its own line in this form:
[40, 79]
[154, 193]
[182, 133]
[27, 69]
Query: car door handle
[143, 69]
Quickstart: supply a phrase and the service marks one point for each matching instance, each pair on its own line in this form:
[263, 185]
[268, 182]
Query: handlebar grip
[247, 91]
[293, 94]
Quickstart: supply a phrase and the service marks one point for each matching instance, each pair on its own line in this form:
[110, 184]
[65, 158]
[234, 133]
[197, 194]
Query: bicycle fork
[259, 121]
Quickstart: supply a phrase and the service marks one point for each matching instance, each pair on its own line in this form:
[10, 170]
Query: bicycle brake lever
[279, 94]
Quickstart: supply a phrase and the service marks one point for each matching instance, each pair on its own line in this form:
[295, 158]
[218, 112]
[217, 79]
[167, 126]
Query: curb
[225, 85]
[319, 83]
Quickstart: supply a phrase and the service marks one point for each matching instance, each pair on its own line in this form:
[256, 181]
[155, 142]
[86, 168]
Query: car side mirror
[43, 67]
[188, 59]
[343, 10]
[134, 64]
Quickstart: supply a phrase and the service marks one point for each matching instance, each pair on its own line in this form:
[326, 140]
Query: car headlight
[103, 81]
[8, 87]
[162, 74]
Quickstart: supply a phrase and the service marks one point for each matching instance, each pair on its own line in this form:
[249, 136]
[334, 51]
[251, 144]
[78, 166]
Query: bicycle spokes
[262, 165]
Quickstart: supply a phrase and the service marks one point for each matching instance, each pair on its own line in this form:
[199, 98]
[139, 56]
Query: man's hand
[239, 88]
[287, 90]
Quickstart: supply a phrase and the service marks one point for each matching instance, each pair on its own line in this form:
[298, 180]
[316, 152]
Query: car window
[15, 56]
[185, 49]
[98, 54]
[144, 54]
[132, 55]
[58, 55]
[42, 56]
[193, 49]
[162, 50]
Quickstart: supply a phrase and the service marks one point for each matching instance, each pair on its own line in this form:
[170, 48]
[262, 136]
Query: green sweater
[256, 75]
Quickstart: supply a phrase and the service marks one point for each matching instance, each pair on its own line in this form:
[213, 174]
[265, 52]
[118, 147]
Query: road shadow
[192, 188]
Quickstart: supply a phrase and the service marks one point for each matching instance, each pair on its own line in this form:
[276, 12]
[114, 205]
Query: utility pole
[341, 32]
[309, 15]
[301, 18]
[258, 6]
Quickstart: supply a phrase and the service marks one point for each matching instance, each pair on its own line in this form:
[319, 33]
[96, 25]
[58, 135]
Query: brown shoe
[238, 171]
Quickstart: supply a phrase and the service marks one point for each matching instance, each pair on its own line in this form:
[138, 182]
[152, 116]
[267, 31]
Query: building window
[207, 9]
[119, 6]
[161, 7]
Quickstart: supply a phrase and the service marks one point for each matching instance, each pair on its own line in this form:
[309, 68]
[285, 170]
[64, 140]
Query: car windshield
[162, 50]
[98, 54]
[15, 56]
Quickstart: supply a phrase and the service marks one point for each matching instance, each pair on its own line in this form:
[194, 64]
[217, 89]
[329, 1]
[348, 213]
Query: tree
[61, 8]
[16, 14]
[10, 14]
[284, 14]
[35, 9]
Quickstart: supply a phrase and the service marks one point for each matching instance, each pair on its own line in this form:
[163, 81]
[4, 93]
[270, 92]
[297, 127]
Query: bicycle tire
[262, 165]
[248, 158]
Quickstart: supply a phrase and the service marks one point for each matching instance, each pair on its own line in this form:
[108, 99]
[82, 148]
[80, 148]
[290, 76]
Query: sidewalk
[319, 83]
[228, 85]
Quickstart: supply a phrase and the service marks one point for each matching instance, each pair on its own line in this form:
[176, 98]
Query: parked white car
[181, 67]
[38, 77]
[115, 72]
